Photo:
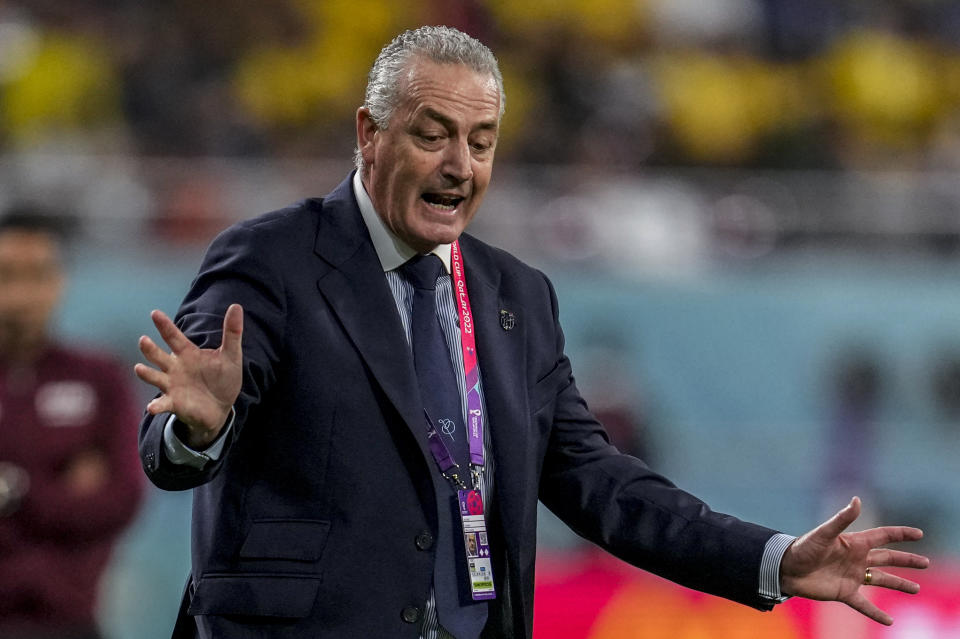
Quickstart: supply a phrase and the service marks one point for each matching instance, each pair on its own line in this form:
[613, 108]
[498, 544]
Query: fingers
[882, 579]
[839, 522]
[898, 558]
[232, 333]
[152, 376]
[154, 354]
[891, 534]
[162, 404]
[172, 335]
[866, 607]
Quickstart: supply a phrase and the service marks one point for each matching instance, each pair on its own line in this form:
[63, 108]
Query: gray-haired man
[334, 490]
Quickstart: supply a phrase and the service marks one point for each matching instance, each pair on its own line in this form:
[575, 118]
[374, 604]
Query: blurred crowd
[848, 84]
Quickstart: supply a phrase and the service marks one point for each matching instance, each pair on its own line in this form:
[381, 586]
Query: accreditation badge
[476, 545]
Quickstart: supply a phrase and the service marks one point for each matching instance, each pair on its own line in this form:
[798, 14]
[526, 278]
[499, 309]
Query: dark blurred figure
[69, 475]
[617, 397]
[945, 383]
[858, 379]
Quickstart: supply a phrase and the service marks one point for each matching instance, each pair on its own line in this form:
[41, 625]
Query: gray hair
[444, 45]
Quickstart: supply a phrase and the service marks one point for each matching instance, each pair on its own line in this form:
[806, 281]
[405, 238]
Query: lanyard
[438, 448]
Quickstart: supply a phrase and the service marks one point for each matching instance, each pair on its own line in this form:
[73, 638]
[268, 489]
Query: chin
[449, 238]
[433, 236]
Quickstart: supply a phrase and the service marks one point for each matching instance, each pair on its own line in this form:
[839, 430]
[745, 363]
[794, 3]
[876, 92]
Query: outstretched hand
[199, 385]
[828, 564]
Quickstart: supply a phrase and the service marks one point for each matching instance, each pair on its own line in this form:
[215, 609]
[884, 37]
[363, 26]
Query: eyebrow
[489, 125]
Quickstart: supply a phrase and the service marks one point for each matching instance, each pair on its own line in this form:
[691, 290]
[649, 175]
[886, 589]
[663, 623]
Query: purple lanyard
[441, 454]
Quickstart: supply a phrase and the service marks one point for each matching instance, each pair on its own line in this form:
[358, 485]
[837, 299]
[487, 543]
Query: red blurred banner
[592, 596]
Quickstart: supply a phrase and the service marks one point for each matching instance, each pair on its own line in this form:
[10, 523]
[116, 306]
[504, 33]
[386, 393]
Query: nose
[458, 165]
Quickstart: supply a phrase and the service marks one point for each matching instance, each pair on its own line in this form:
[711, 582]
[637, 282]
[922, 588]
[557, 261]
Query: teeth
[442, 202]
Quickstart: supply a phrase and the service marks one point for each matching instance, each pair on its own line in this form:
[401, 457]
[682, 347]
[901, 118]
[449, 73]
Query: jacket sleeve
[236, 269]
[619, 503]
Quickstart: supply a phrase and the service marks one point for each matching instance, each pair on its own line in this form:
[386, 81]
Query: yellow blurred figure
[885, 89]
[610, 21]
[520, 98]
[950, 80]
[68, 84]
[323, 76]
[718, 108]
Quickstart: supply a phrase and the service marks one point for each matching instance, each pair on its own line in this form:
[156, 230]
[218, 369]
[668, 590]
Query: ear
[366, 131]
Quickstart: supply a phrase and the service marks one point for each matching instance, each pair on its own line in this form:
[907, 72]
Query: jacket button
[424, 541]
[151, 461]
[411, 614]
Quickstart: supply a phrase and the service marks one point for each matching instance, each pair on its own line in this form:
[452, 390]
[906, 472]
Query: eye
[430, 137]
[481, 146]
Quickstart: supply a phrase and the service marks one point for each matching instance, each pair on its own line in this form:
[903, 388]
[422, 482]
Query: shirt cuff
[770, 567]
[182, 455]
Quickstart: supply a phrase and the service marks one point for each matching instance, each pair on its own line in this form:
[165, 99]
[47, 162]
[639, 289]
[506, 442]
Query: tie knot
[422, 271]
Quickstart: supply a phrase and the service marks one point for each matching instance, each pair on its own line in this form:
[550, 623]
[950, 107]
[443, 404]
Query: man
[300, 399]
[69, 482]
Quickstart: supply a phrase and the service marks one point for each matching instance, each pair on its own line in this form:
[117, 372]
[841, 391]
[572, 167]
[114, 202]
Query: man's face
[30, 285]
[428, 171]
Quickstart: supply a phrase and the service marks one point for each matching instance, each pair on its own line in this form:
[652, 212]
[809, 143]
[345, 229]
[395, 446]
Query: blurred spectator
[618, 399]
[858, 377]
[602, 23]
[614, 83]
[69, 475]
[305, 88]
[687, 22]
[945, 384]
[176, 60]
[797, 29]
[884, 91]
[719, 109]
[55, 84]
[191, 209]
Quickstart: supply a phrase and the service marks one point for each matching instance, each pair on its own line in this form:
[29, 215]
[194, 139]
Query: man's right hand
[198, 385]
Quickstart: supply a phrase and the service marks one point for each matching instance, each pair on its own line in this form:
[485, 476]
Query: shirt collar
[391, 250]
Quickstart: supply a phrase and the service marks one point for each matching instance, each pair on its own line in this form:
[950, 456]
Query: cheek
[404, 180]
[408, 187]
[482, 172]
[481, 179]
[403, 198]
[20, 295]
[43, 299]
[421, 166]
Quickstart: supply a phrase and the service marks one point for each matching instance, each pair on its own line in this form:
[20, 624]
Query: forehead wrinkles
[466, 92]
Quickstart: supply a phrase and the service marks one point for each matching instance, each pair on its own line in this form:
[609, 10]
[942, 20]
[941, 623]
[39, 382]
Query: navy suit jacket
[316, 519]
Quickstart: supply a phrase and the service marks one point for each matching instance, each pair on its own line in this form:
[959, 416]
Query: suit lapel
[357, 291]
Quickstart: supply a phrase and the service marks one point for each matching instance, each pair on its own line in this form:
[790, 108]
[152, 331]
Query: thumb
[839, 522]
[230, 344]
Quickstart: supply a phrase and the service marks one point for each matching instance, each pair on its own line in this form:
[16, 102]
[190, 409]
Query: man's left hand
[828, 564]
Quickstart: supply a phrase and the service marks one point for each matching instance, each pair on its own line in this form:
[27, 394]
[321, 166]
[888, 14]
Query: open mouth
[442, 202]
